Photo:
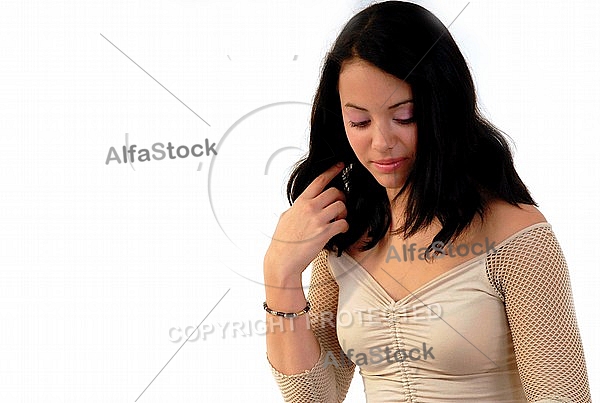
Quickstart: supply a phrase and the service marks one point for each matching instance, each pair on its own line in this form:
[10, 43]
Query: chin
[391, 181]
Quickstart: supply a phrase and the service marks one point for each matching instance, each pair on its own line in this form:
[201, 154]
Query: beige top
[500, 327]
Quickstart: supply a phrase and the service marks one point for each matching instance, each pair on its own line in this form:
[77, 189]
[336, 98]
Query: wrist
[287, 315]
[275, 278]
[284, 292]
[277, 274]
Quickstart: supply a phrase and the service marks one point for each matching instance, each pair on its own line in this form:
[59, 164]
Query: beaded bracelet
[285, 314]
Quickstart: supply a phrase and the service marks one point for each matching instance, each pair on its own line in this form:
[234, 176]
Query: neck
[398, 207]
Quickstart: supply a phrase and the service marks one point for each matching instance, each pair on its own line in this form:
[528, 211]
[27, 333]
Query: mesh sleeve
[531, 276]
[329, 379]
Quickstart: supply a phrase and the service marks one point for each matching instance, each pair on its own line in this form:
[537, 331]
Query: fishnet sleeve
[328, 381]
[531, 276]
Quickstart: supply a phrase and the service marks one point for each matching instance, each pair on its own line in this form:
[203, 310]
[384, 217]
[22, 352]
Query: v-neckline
[411, 294]
[457, 268]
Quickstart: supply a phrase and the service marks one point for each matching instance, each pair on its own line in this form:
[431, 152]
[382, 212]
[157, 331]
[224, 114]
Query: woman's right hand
[303, 230]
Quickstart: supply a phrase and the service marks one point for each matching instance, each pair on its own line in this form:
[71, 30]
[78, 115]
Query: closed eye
[360, 125]
[365, 123]
[405, 121]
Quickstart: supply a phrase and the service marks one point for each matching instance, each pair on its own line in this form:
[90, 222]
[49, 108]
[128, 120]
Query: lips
[389, 164]
[388, 161]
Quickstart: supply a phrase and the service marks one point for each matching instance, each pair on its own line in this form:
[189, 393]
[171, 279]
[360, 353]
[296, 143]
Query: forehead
[362, 82]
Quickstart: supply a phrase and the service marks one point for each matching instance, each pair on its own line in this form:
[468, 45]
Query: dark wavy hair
[462, 160]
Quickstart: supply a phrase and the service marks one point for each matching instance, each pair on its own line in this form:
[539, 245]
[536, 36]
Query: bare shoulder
[504, 219]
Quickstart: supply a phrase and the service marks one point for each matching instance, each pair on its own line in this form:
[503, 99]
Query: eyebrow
[351, 105]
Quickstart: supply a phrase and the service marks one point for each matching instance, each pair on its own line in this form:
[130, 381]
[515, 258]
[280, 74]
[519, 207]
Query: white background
[99, 261]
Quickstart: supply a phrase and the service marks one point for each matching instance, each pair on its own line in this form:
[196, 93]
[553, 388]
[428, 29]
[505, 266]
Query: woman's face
[377, 109]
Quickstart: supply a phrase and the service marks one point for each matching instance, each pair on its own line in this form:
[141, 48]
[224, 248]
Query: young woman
[432, 269]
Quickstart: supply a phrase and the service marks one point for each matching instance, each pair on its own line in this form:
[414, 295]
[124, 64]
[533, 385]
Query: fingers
[337, 227]
[316, 186]
[329, 205]
[329, 196]
[335, 214]
[335, 211]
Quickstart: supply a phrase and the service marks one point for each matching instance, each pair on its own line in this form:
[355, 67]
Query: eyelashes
[359, 125]
[365, 123]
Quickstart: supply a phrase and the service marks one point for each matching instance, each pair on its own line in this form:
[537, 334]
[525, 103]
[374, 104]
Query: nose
[382, 138]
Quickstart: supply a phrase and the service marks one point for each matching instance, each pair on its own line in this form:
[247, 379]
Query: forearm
[291, 344]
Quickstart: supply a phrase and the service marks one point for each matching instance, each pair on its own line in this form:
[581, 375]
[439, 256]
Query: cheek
[407, 139]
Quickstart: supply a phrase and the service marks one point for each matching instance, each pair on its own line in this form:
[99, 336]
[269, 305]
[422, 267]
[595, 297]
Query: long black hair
[462, 160]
